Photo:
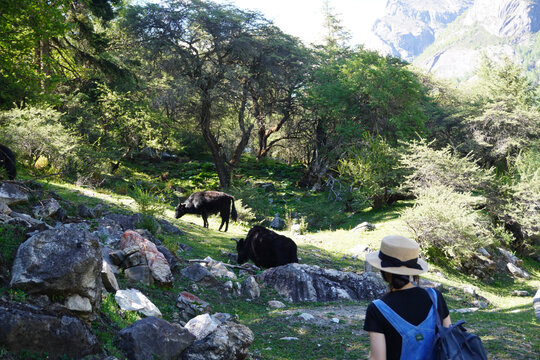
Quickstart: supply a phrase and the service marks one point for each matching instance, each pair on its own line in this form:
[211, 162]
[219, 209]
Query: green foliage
[11, 237]
[428, 167]
[149, 201]
[32, 132]
[446, 225]
[372, 171]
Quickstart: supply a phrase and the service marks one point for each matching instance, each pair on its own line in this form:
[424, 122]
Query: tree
[220, 56]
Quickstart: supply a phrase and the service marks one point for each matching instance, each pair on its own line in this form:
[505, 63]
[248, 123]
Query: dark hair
[397, 281]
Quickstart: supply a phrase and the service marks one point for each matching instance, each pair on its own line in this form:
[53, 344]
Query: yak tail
[234, 214]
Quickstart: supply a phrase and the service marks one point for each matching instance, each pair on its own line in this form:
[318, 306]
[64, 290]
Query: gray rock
[12, 194]
[141, 273]
[199, 273]
[306, 317]
[365, 226]
[85, 212]
[300, 282]
[228, 341]
[46, 208]
[536, 304]
[171, 258]
[4, 209]
[28, 222]
[153, 338]
[275, 304]
[202, 325]
[277, 223]
[191, 306]
[509, 257]
[66, 260]
[109, 231]
[516, 271]
[108, 279]
[134, 300]
[27, 328]
[250, 288]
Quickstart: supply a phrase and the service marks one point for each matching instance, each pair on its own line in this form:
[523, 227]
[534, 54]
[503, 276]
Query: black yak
[266, 248]
[206, 203]
[7, 161]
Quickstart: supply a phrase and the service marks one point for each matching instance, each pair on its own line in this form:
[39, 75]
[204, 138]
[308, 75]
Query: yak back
[267, 248]
[210, 202]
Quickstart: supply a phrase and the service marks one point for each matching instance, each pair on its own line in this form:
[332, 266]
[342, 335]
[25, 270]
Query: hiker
[401, 325]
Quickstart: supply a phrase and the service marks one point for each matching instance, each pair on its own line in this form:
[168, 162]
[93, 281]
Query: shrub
[372, 171]
[428, 166]
[37, 132]
[446, 225]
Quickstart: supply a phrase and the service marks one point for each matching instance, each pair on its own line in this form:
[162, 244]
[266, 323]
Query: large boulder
[228, 341]
[301, 282]
[11, 194]
[63, 261]
[153, 338]
[155, 260]
[46, 208]
[27, 328]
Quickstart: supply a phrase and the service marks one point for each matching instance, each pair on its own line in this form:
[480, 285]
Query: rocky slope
[449, 38]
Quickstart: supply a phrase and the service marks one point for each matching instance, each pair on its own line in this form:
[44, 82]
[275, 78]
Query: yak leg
[205, 219]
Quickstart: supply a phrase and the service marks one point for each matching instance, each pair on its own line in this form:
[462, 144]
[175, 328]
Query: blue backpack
[417, 341]
[455, 343]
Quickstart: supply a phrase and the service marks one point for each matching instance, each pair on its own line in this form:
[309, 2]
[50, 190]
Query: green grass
[507, 326]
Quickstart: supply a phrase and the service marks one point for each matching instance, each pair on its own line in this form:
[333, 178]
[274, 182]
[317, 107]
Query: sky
[304, 18]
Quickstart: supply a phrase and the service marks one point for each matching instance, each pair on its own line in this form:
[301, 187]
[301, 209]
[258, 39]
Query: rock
[217, 268]
[190, 306]
[202, 325]
[66, 260]
[509, 257]
[105, 254]
[153, 338]
[301, 282]
[134, 300]
[199, 273]
[275, 304]
[169, 228]
[148, 236]
[289, 338]
[157, 263]
[296, 229]
[484, 252]
[28, 222]
[277, 223]
[171, 258]
[46, 208]
[306, 317]
[85, 212]
[365, 226]
[4, 209]
[78, 303]
[11, 194]
[335, 320]
[140, 273]
[228, 341]
[536, 304]
[25, 328]
[126, 222]
[519, 293]
[109, 231]
[514, 270]
[250, 288]
[469, 290]
[108, 279]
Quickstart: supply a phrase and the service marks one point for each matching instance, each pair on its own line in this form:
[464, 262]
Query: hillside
[450, 40]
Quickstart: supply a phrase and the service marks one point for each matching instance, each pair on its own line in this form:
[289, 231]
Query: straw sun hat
[398, 255]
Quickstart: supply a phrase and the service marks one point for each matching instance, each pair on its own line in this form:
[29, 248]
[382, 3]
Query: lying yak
[7, 161]
[266, 248]
[206, 203]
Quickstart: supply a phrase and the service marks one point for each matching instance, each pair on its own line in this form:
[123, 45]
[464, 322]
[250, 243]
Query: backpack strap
[433, 296]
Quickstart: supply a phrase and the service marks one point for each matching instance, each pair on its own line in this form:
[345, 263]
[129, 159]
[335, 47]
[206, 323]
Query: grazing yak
[266, 248]
[7, 161]
[206, 203]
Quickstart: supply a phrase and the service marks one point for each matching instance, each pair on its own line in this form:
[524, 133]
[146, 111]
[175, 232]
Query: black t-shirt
[412, 305]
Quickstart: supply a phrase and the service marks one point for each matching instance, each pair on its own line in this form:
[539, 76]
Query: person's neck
[405, 287]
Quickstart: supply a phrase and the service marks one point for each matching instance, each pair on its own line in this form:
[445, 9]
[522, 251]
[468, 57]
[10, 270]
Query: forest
[156, 101]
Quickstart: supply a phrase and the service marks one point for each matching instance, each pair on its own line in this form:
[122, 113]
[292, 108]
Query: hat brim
[374, 260]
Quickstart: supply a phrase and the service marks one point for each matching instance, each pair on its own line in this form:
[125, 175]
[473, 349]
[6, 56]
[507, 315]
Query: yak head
[242, 251]
[181, 210]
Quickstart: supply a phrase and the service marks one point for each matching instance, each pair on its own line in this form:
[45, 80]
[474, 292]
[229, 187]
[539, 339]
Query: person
[401, 325]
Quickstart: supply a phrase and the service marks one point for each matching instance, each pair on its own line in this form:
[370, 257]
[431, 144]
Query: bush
[372, 172]
[428, 167]
[37, 132]
[446, 225]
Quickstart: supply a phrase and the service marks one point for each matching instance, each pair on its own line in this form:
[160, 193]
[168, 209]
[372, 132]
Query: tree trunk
[224, 173]
[246, 132]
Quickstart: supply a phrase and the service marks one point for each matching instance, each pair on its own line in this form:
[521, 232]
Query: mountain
[449, 38]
